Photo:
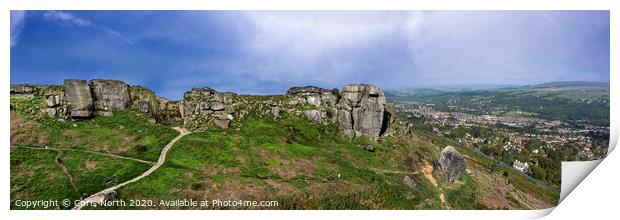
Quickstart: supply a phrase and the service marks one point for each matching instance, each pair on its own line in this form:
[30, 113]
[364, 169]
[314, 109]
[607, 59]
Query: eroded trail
[87, 151]
[95, 198]
[427, 170]
[66, 171]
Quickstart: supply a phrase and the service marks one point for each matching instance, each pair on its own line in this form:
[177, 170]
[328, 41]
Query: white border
[318, 5]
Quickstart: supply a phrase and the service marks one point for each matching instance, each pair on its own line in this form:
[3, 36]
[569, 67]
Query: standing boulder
[78, 97]
[110, 95]
[361, 111]
[451, 164]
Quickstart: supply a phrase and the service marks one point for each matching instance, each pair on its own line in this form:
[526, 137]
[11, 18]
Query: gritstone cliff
[358, 109]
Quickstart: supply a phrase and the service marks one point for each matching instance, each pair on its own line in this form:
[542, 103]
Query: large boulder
[361, 111]
[110, 95]
[451, 164]
[78, 97]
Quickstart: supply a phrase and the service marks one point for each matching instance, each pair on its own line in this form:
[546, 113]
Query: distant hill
[560, 84]
[436, 90]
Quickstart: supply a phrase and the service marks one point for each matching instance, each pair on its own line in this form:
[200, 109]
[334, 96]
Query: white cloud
[71, 20]
[18, 19]
[66, 18]
[302, 45]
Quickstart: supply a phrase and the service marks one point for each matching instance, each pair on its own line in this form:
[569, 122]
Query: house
[521, 166]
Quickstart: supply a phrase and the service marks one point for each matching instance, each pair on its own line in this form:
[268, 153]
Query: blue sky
[266, 52]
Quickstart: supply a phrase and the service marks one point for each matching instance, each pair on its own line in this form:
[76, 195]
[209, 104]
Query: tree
[538, 173]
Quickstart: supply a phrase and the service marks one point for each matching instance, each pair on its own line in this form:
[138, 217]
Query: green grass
[288, 159]
[463, 196]
[35, 174]
[107, 171]
[266, 156]
[126, 133]
[516, 179]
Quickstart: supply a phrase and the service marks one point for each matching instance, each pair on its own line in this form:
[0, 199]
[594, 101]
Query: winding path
[99, 196]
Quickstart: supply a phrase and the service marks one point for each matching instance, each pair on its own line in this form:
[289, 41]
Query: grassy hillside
[298, 163]
[80, 155]
[290, 160]
[38, 174]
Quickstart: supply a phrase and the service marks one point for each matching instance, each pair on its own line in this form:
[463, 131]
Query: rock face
[361, 111]
[451, 164]
[79, 98]
[322, 101]
[169, 112]
[110, 95]
[144, 100]
[313, 115]
[205, 106]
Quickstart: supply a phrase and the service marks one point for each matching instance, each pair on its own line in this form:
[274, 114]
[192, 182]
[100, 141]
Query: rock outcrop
[451, 164]
[54, 102]
[320, 103]
[22, 89]
[169, 112]
[203, 107]
[79, 98]
[359, 109]
[144, 100]
[362, 111]
[109, 96]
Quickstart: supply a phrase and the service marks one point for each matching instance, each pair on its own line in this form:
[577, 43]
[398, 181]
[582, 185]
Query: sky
[267, 52]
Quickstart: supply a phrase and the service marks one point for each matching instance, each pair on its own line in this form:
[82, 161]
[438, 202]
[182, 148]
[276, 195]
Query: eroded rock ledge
[358, 110]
